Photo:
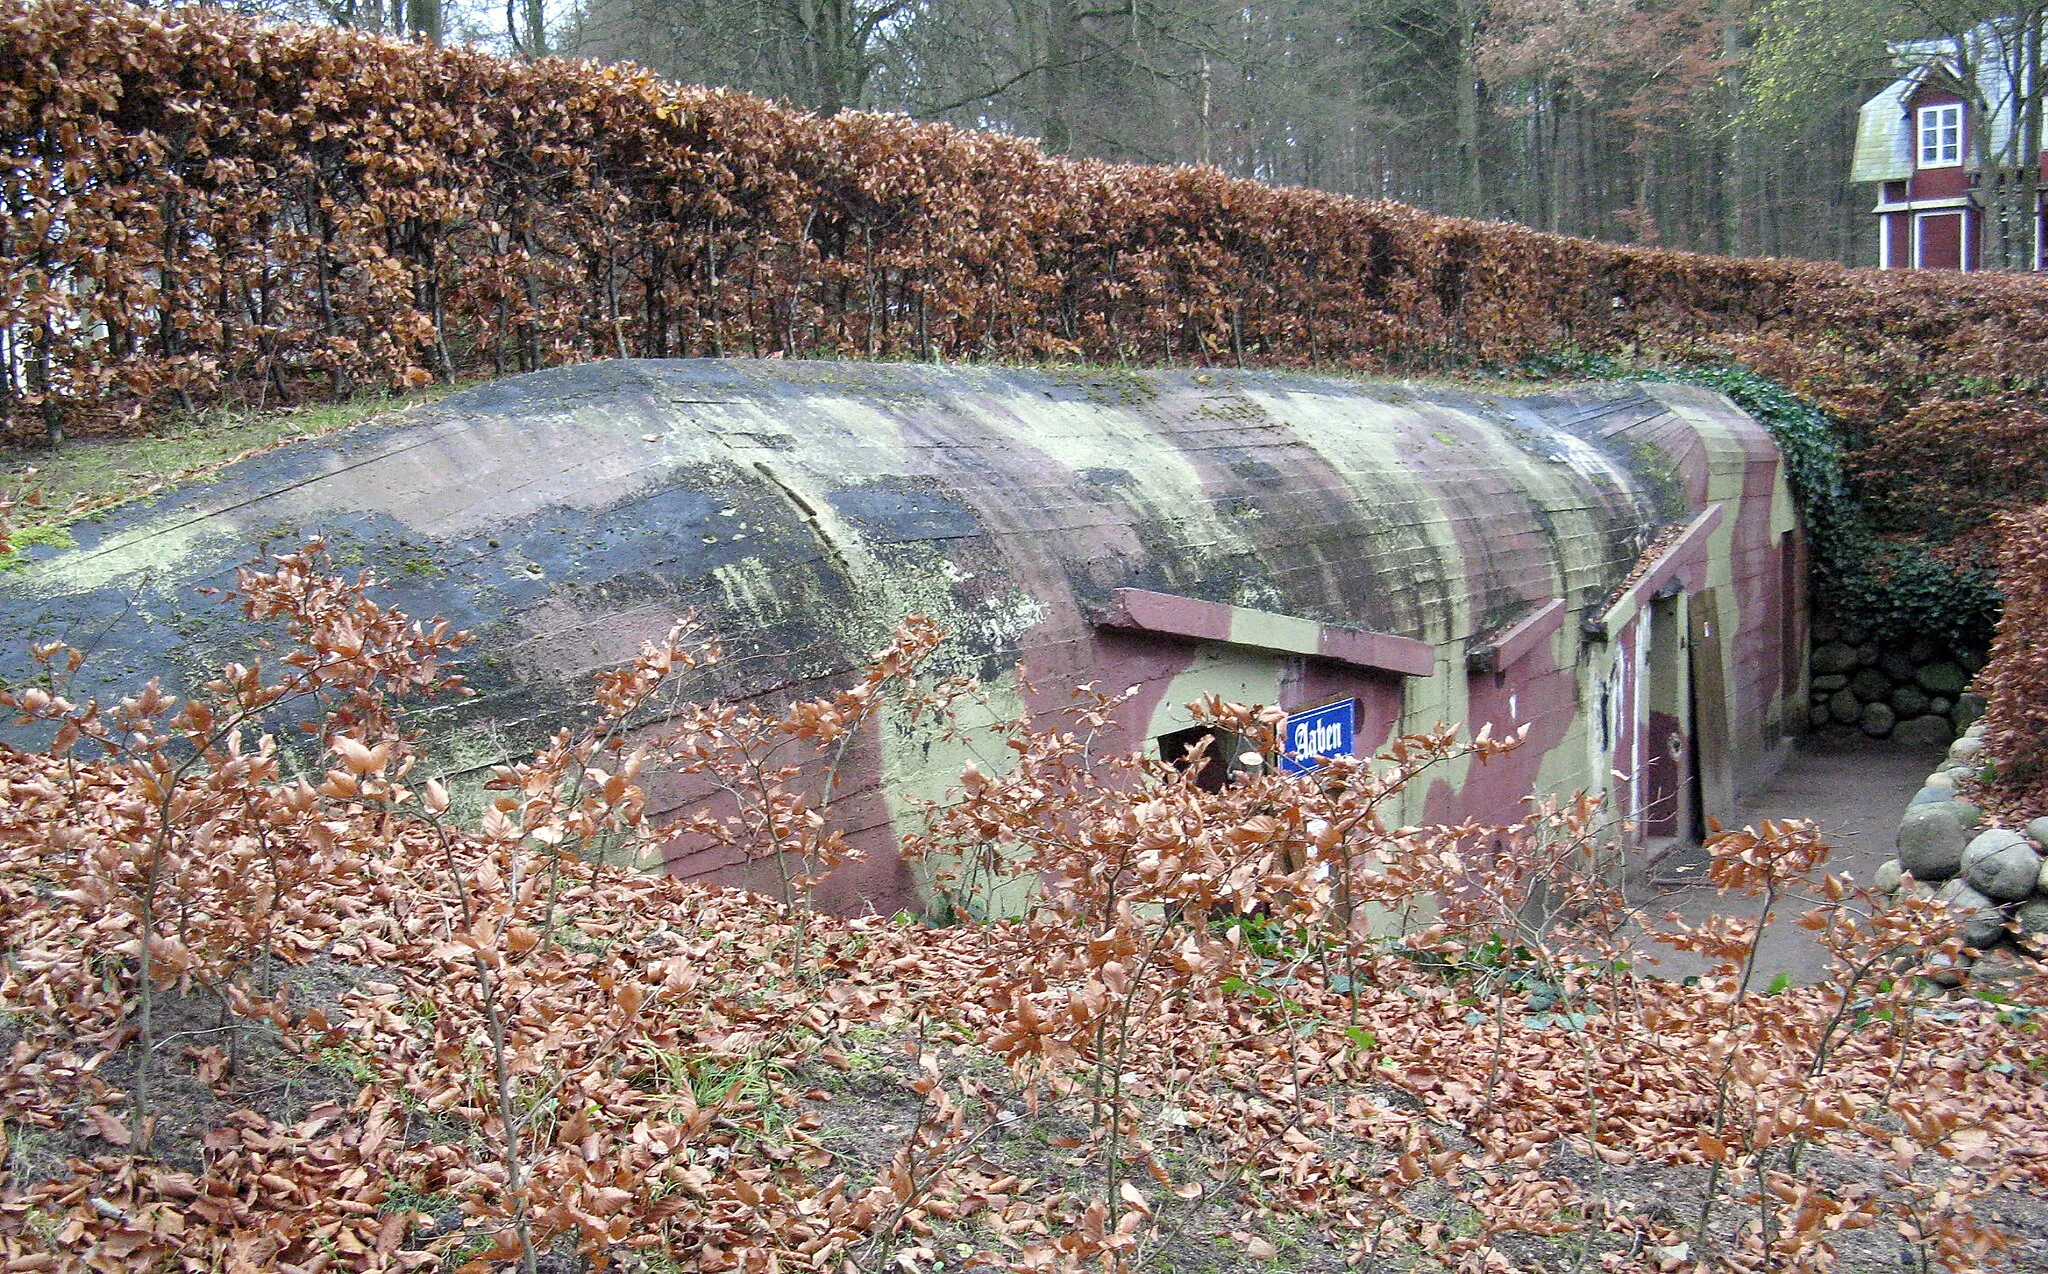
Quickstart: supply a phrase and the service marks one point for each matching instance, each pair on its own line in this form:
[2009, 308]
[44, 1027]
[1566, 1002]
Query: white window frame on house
[1941, 135]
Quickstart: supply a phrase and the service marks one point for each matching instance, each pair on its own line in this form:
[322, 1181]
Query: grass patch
[457, 1257]
[32, 1154]
[404, 1197]
[746, 1086]
[88, 475]
[864, 1045]
[711, 1081]
[349, 1062]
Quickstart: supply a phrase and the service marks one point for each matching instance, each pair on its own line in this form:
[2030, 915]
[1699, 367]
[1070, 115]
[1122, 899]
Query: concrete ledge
[1504, 651]
[1141, 610]
[1668, 568]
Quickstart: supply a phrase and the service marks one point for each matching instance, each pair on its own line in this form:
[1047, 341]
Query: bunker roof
[801, 509]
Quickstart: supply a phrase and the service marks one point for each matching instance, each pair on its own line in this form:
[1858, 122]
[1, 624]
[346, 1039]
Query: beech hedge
[203, 209]
[2015, 681]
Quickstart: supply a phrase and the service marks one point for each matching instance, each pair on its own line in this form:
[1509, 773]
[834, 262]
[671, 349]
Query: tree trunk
[1471, 157]
[1058, 49]
[423, 19]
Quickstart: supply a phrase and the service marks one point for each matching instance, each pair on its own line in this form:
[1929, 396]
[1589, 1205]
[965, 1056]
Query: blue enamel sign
[1312, 737]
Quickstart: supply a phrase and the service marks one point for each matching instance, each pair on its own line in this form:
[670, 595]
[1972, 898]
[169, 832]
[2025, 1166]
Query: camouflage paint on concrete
[1434, 554]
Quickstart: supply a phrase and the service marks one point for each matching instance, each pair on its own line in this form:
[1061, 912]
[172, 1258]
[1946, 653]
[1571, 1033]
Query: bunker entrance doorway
[1670, 793]
[1222, 761]
[1686, 778]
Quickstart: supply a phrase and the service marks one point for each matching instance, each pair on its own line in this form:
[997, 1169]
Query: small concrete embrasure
[1995, 878]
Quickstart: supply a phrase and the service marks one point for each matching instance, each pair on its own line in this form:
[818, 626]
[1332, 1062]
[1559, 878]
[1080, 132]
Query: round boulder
[1887, 876]
[2033, 918]
[1877, 720]
[1948, 970]
[1908, 702]
[1896, 664]
[1829, 684]
[1965, 750]
[1968, 708]
[1982, 923]
[1844, 707]
[2002, 864]
[1942, 678]
[1870, 685]
[1833, 657]
[1960, 896]
[1931, 841]
[1923, 732]
[1818, 716]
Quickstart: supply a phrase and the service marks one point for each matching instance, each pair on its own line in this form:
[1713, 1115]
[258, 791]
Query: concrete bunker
[1613, 566]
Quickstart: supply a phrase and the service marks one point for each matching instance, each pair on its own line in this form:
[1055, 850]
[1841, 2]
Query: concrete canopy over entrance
[1431, 553]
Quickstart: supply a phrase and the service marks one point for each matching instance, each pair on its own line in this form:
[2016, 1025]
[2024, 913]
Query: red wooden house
[1918, 141]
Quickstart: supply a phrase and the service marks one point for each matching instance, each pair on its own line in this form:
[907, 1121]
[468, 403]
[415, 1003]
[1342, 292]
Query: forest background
[1717, 125]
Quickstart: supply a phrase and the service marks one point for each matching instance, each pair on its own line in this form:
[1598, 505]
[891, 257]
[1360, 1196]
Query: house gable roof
[1884, 133]
[1884, 141]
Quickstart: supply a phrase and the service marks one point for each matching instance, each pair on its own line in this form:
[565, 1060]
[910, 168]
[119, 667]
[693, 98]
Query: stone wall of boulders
[1915, 692]
[1995, 878]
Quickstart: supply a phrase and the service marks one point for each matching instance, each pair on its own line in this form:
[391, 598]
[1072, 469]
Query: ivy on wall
[1889, 589]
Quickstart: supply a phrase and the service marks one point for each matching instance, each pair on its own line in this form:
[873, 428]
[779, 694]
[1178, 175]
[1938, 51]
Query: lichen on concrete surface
[800, 510]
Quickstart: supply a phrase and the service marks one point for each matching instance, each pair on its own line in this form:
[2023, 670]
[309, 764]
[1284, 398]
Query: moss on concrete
[23, 538]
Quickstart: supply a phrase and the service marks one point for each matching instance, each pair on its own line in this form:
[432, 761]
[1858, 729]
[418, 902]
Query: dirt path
[1855, 788]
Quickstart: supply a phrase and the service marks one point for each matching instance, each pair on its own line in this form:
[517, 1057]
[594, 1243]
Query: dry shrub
[1201, 998]
[2015, 678]
[205, 209]
[1944, 461]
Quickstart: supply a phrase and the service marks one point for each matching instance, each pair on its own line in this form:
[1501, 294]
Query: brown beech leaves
[2015, 678]
[204, 209]
[1166, 1012]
